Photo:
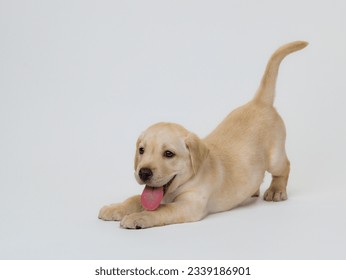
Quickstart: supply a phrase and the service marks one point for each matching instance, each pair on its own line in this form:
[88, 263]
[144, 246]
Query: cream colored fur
[216, 173]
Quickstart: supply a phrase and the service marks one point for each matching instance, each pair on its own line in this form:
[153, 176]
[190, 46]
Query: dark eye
[168, 154]
[141, 150]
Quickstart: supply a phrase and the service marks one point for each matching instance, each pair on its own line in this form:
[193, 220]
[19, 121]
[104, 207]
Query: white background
[80, 80]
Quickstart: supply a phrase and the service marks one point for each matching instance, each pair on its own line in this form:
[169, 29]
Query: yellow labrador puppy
[186, 178]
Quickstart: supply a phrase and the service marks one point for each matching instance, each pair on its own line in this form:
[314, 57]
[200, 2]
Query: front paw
[137, 221]
[275, 195]
[113, 212]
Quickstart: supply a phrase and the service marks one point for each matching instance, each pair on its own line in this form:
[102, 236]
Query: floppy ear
[198, 150]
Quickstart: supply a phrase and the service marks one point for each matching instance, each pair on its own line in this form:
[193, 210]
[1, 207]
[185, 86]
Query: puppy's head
[167, 156]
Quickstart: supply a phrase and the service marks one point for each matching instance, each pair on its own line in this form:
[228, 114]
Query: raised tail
[266, 91]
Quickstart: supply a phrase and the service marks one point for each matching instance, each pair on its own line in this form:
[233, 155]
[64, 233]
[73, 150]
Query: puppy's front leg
[172, 213]
[115, 212]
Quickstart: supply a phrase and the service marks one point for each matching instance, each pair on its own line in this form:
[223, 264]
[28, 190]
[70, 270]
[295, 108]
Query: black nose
[145, 174]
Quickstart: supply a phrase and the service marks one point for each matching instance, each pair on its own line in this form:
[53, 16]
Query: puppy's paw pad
[136, 221]
[256, 194]
[112, 212]
[275, 195]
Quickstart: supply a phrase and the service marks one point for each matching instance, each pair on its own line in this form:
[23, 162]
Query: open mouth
[152, 196]
[166, 186]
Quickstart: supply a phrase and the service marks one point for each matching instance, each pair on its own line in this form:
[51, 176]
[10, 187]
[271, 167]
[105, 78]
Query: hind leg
[280, 169]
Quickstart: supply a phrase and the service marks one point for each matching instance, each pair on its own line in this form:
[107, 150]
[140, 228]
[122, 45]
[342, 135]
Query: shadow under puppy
[186, 178]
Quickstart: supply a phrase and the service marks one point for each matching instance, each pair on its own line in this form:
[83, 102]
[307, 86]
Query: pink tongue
[151, 197]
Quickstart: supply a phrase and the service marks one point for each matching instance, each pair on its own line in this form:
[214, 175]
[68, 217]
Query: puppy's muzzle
[145, 174]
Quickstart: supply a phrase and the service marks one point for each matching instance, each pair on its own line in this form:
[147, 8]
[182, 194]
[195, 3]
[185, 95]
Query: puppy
[186, 178]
